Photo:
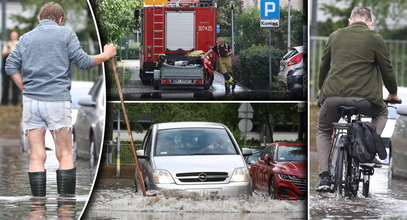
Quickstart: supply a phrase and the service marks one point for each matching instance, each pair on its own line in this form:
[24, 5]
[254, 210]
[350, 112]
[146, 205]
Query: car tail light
[166, 81]
[295, 59]
[198, 81]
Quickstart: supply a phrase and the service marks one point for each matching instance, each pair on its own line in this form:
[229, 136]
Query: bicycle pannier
[365, 142]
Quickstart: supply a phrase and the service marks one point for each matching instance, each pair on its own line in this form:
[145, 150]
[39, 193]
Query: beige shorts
[46, 114]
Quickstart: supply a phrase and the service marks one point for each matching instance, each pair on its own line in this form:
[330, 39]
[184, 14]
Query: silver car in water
[193, 156]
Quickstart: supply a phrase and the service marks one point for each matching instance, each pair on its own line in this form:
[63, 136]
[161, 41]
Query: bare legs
[36, 138]
[63, 148]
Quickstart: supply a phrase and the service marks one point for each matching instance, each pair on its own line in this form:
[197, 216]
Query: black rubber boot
[38, 183]
[66, 182]
[226, 76]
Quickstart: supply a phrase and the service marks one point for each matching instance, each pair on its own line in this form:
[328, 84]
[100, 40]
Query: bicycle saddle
[347, 110]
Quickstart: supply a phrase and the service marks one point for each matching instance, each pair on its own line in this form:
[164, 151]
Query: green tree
[265, 114]
[225, 16]
[75, 13]
[115, 17]
[250, 32]
[382, 10]
[274, 114]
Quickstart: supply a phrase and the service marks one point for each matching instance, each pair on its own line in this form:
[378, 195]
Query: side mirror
[247, 152]
[267, 159]
[140, 154]
[87, 101]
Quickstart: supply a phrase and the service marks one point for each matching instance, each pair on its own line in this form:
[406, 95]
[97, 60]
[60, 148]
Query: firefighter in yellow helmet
[224, 52]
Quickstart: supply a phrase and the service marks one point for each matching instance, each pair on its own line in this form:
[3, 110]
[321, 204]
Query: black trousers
[5, 88]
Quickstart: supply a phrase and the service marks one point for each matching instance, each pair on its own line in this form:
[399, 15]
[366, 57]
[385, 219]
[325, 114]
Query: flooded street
[119, 201]
[134, 90]
[15, 193]
[387, 198]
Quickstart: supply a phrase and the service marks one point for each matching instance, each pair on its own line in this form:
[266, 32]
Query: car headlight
[162, 177]
[284, 176]
[240, 175]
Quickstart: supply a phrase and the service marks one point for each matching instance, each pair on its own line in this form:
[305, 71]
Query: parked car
[281, 171]
[89, 127]
[254, 157]
[389, 128]
[193, 156]
[78, 89]
[292, 71]
[398, 160]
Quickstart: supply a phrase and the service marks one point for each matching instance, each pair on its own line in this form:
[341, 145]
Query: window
[271, 152]
[291, 153]
[194, 141]
[264, 152]
[147, 143]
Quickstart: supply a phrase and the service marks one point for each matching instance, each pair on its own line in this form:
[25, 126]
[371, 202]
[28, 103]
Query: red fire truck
[170, 30]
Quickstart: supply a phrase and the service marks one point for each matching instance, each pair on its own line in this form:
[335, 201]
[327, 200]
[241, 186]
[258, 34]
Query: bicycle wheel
[349, 175]
[339, 186]
[355, 177]
[333, 156]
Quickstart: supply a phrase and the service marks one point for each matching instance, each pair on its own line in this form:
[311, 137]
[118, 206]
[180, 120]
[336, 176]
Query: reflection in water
[15, 193]
[66, 209]
[246, 95]
[37, 208]
[387, 198]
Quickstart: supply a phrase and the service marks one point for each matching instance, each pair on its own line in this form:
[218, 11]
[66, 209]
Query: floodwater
[387, 198]
[119, 201]
[15, 192]
[134, 90]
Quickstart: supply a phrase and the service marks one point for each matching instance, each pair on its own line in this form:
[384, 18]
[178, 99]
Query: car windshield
[194, 141]
[291, 153]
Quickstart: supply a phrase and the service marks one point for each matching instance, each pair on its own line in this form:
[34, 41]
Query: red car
[281, 171]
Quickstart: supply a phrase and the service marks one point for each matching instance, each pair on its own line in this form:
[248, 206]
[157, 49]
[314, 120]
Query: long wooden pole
[119, 90]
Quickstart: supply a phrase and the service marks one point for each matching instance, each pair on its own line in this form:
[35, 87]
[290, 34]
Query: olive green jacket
[355, 63]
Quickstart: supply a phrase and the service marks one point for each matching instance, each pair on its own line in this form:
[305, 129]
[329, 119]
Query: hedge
[254, 61]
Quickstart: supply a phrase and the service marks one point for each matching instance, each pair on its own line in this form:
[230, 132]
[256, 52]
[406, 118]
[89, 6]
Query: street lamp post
[232, 7]
[289, 26]
[118, 144]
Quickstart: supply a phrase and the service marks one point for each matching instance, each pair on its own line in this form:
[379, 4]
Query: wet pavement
[118, 200]
[387, 198]
[135, 90]
[15, 193]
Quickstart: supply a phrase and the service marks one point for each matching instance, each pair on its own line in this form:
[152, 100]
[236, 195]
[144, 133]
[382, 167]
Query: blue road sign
[270, 9]
[217, 30]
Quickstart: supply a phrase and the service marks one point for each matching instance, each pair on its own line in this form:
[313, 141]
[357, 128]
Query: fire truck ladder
[158, 31]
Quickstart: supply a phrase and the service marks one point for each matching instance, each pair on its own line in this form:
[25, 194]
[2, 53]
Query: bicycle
[347, 172]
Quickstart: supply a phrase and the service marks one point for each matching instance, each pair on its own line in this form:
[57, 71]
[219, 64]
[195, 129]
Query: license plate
[181, 81]
[206, 192]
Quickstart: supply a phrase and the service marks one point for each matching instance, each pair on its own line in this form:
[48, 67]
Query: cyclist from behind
[354, 66]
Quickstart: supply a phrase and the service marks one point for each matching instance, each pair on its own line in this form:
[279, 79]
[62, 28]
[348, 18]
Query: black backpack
[365, 142]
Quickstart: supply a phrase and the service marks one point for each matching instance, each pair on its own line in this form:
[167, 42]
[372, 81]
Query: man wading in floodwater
[43, 56]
